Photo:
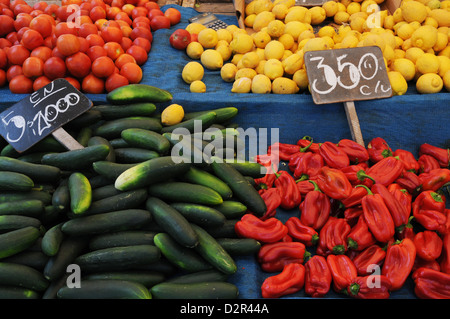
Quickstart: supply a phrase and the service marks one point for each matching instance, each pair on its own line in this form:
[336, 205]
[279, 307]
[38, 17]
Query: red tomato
[68, 44]
[86, 29]
[95, 52]
[142, 42]
[5, 43]
[123, 16]
[40, 82]
[51, 10]
[17, 54]
[113, 49]
[22, 8]
[111, 34]
[151, 5]
[84, 44]
[160, 22]
[75, 83]
[78, 64]
[42, 25]
[111, 12]
[92, 84]
[63, 12]
[102, 67]
[42, 52]
[180, 39]
[141, 19]
[139, 12]
[13, 71]
[117, 3]
[141, 32]
[32, 39]
[132, 72]
[3, 59]
[55, 52]
[97, 13]
[55, 68]
[20, 84]
[41, 5]
[155, 12]
[138, 53]
[123, 59]
[114, 81]
[33, 67]
[6, 25]
[64, 28]
[22, 20]
[174, 15]
[2, 78]
[12, 37]
[95, 39]
[126, 43]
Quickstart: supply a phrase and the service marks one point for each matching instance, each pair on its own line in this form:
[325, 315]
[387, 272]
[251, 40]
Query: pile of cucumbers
[124, 217]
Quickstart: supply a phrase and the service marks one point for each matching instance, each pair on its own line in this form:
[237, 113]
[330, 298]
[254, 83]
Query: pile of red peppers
[372, 217]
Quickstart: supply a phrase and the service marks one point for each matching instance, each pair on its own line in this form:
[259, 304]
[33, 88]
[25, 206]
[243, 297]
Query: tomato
[141, 32]
[78, 64]
[32, 39]
[123, 16]
[95, 39]
[174, 15]
[86, 29]
[114, 81]
[127, 8]
[97, 12]
[51, 10]
[64, 28]
[139, 12]
[113, 49]
[41, 25]
[138, 53]
[98, 3]
[160, 22]
[3, 80]
[141, 19]
[142, 42]
[21, 32]
[13, 71]
[180, 39]
[3, 59]
[55, 68]
[111, 12]
[42, 52]
[151, 5]
[132, 72]
[92, 84]
[63, 12]
[117, 3]
[22, 8]
[68, 44]
[20, 84]
[12, 37]
[33, 67]
[75, 83]
[17, 54]
[6, 25]
[123, 59]
[102, 67]
[41, 5]
[95, 52]
[35, 13]
[111, 34]
[126, 43]
[155, 12]
[40, 82]
[55, 52]
[84, 44]
[5, 43]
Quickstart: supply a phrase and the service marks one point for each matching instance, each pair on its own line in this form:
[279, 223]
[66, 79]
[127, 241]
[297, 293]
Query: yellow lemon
[444, 65]
[261, 84]
[224, 34]
[315, 44]
[397, 15]
[318, 15]
[374, 39]
[399, 54]
[389, 23]
[283, 85]
[197, 87]
[405, 31]
[446, 80]
[330, 7]
[194, 50]
[442, 16]
[208, 38]
[429, 83]
[357, 24]
[445, 52]
[413, 11]
[192, 71]
[298, 13]
[308, 34]
[441, 42]
[262, 5]
[228, 72]
[195, 28]
[275, 28]
[427, 63]
[250, 59]
[301, 79]
[341, 17]
[274, 50]
[287, 40]
[405, 67]
[280, 10]
[262, 20]
[250, 8]
[327, 30]
[273, 68]
[295, 28]
[413, 54]
[353, 7]
[398, 83]
[224, 49]
[349, 41]
[249, 20]
[242, 43]
[211, 59]
[288, 3]
[369, 6]
[242, 85]
[433, 4]
[431, 21]
[260, 67]
[236, 58]
[172, 114]
[232, 28]
[292, 63]
[245, 73]
[261, 38]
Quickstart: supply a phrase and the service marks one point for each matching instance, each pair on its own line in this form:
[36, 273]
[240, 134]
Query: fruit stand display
[120, 206]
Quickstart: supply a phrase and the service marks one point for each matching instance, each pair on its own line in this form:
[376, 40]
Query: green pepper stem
[361, 175]
[304, 149]
[304, 177]
[354, 289]
[369, 192]
[316, 187]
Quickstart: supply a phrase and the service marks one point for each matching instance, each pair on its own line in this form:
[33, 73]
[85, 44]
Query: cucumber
[7, 292]
[22, 276]
[240, 186]
[77, 159]
[98, 140]
[118, 143]
[104, 192]
[12, 181]
[34, 158]
[43, 196]
[199, 276]
[152, 171]
[109, 111]
[16, 241]
[240, 246]
[48, 144]
[37, 172]
[31, 208]
[30, 258]
[86, 119]
[202, 177]
[188, 149]
[172, 222]
[122, 238]
[113, 128]
[147, 139]
[134, 155]
[109, 169]
[201, 290]
[84, 135]
[52, 239]
[248, 168]
[118, 258]
[105, 289]
[143, 277]
[213, 252]
[133, 93]
[14, 222]
[200, 214]
[99, 181]
[231, 209]
[61, 197]
[223, 114]
[226, 230]
[106, 222]
[185, 192]
[80, 191]
[182, 257]
[200, 122]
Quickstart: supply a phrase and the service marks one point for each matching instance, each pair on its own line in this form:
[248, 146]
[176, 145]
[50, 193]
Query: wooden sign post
[43, 113]
[348, 75]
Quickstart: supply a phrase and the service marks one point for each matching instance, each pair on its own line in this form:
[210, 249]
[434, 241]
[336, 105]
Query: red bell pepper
[378, 217]
[351, 172]
[360, 236]
[352, 214]
[419, 263]
[309, 164]
[370, 287]
[272, 198]
[274, 256]
[317, 276]
[304, 186]
[398, 212]
[368, 258]
[378, 149]
[429, 200]
[333, 156]
[409, 161]
[384, 172]
[333, 237]
[289, 281]
[343, 271]
[403, 196]
[440, 154]
[290, 195]
[333, 183]
[429, 211]
[434, 179]
[427, 163]
[431, 284]
[304, 234]
[428, 245]
[355, 197]
[410, 181]
[315, 208]
[285, 150]
[399, 261]
[307, 141]
[444, 262]
[266, 231]
[407, 231]
[355, 152]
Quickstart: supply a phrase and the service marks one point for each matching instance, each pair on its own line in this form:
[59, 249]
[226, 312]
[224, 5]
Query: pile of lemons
[267, 57]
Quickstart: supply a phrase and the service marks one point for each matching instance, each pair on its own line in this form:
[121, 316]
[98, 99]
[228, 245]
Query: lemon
[242, 85]
[429, 83]
[389, 23]
[318, 15]
[357, 23]
[262, 20]
[444, 65]
[425, 37]
[262, 5]
[349, 41]
[427, 63]
[341, 17]
[445, 52]
[413, 11]
[441, 42]
[241, 43]
[330, 7]
[250, 20]
[288, 3]
[283, 85]
[405, 31]
[224, 49]
[275, 28]
[224, 34]
[260, 67]
[446, 80]
[327, 30]
[194, 50]
[197, 87]
[398, 83]
[192, 71]
[295, 28]
[211, 59]
[431, 21]
[236, 58]
[274, 50]
[353, 7]
[273, 68]
[301, 79]
[195, 28]
[397, 15]
[307, 34]
[413, 54]
[298, 13]
[369, 6]
[261, 84]
[315, 44]
[399, 54]
[172, 114]
[228, 72]
[280, 10]
[405, 67]
[232, 28]
[261, 38]
[208, 38]
[250, 59]
[442, 16]
[287, 40]
[374, 39]
[245, 73]
[249, 8]
[292, 63]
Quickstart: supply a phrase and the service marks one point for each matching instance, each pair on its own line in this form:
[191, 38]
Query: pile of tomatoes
[96, 45]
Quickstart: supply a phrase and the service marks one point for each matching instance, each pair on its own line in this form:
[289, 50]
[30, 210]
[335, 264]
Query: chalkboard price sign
[44, 111]
[352, 74]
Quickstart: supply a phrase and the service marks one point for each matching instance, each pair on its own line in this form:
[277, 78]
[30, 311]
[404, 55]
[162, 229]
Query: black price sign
[41, 113]
[352, 74]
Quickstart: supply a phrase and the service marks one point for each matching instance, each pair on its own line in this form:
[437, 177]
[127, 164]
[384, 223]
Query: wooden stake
[353, 122]
[66, 139]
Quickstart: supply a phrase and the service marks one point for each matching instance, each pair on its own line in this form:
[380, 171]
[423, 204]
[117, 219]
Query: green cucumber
[48, 144]
[213, 252]
[17, 293]
[86, 119]
[122, 238]
[143, 277]
[34, 158]
[199, 276]
[106, 222]
[61, 197]
[226, 230]
[31, 208]
[109, 169]
[52, 239]
[77, 159]
[182, 257]
[109, 111]
[172, 222]
[99, 180]
[147, 139]
[201, 290]
[80, 191]
[22, 276]
[14, 222]
[248, 168]
[200, 214]
[98, 140]
[83, 136]
[188, 149]
[231, 209]
[202, 177]
[134, 155]
[16, 241]
[104, 192]
[151, 171]
[37, 172]
[30, 258]
[185, 192]
[44, 196]
[240, 246]
[133, 93]
[113, 128]
[12, 181]
[201, 122]
[223, 114]
[118, 143]
[105, 289]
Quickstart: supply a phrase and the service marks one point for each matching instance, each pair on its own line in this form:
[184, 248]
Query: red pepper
[368, 258]
[429, 200]
[290, 195]
[266, 231]
[343, 271]
[419, 263]
[370, 287]
[403, 196]
[307, 141]
[289, 281]
[355, 197]
[351, 172]
[447, 224]
[429, 211]
[285, 151]
[409, 181]
[317, 277]
[440, 154]
[304, 186]
[304, 234]
[407, 231]
[352, 214]
[428, 245]
[355, 152]
[274, 256]
[360, 236]
[435, 179]
[378, 217]
[333, 237]
[309, 164]
[378, 149]
[431, 284]
[272, 198]
[385, 171]
[399, 261]
[333, 156]
[409, 161]
[427, 163]
[444, 262]
[315, 208]
[333, 183]
[398, 212]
